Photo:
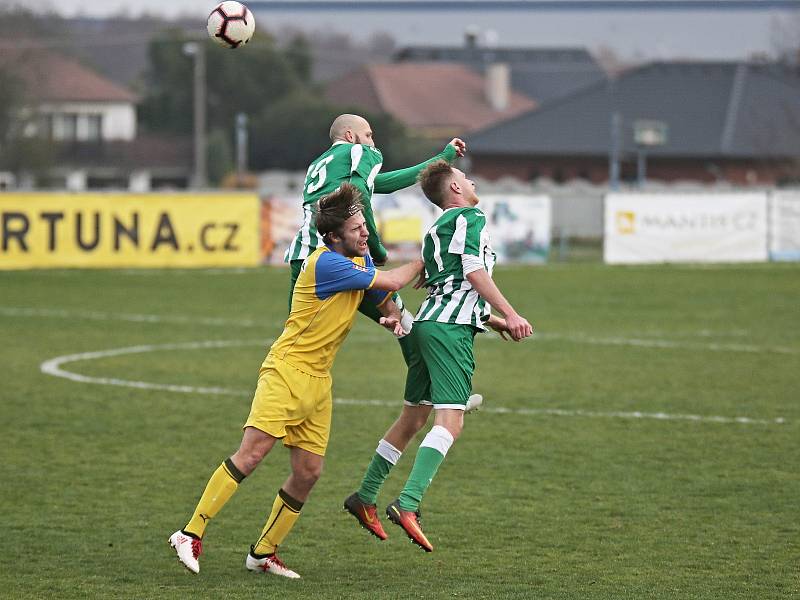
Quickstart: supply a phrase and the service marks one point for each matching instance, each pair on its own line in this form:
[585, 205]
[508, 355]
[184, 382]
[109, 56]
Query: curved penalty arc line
[54, 368]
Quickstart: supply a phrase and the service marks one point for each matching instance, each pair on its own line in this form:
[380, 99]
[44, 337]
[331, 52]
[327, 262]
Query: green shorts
[367, 308]
[441, 366]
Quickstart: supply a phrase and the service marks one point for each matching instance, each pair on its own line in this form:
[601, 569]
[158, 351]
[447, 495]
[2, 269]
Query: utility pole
[197, 51]
[241, 146]
[647, 133]
[614, 136]
[613, 155]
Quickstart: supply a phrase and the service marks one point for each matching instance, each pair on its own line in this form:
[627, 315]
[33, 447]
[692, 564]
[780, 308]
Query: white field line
[664, 344]
[209, 271]
[94, 315]
[54, 367]
[144, 272]
[578, 338]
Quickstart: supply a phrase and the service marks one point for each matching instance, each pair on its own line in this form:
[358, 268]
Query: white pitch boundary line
[664, 344]
[54, 367]
[577, 338]
[96, 315]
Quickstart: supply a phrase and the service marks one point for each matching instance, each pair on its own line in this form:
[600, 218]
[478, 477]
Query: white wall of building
[118, 120]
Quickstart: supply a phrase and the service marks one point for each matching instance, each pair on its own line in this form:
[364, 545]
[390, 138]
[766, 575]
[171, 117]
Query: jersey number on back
[318, 172]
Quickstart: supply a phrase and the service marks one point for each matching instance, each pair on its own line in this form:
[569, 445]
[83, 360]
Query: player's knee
[455, 430]
[454, 427]
[248, 458]
[308, 473]
[419, 422]
[412, 421]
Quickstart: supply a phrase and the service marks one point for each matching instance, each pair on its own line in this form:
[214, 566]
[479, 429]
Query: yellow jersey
[327, 294]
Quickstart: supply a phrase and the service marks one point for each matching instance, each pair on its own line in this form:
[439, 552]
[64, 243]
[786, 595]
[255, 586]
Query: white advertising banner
[519, 225]
[669, 227]
[784, 230]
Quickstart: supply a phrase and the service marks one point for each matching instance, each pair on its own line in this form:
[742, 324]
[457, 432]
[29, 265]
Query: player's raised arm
[376, 249]
[392, 181]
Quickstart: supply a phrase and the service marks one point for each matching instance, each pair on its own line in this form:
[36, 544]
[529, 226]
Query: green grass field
[608, 462]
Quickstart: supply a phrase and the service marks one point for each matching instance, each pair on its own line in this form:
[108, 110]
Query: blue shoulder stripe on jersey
[336, 273]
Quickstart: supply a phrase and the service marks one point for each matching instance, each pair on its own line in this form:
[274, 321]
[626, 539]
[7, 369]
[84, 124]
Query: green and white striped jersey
[451, 298]
[355, 163]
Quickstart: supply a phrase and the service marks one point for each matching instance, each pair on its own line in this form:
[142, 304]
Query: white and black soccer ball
[231, 24]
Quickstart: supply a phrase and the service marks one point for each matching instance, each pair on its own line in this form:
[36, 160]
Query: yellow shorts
[292, 405]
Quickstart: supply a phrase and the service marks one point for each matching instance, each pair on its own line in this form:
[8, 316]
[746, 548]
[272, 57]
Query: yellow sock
[285, 511]
[220, 488]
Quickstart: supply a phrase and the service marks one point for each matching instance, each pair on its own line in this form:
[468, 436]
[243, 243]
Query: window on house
[94, 129]
[65, 126]
[43, 128]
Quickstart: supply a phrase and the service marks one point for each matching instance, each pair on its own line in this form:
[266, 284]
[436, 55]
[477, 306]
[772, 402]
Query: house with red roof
[91, 122]
[435, 100]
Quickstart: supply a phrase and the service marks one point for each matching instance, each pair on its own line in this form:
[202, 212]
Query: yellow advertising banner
[46, 230]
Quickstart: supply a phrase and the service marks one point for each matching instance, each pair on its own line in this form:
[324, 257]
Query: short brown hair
[335, 208]
[434, 180]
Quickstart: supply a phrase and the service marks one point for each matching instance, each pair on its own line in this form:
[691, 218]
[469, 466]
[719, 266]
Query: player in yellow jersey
[293, 400]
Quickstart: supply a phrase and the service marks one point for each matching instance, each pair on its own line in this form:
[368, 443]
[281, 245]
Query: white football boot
[188, 549]
[268, 564]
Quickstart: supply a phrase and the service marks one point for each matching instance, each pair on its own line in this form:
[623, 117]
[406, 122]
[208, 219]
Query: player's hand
[499, 325]
[518, 327]
[380, 263]
[392, 324]
[459, 145]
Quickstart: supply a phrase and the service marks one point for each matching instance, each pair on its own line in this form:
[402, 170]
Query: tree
[271, 84]
[10, 101]
[291, 132]
[18, 152]
[298, 52]
[242, 80]
[785, 34]
[219, 156]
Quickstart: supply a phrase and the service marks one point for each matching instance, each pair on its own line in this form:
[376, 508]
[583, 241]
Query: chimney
[498, 86]
[471, 36]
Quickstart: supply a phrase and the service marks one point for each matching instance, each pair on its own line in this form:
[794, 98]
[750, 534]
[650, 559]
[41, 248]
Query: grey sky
[642, 34]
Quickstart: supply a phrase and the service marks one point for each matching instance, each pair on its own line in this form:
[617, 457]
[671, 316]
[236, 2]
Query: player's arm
[499, 325]
[395, 279]
[515, 325]
[376, 248]
[392, 181]
[366, 162]
[469, 226]
[392, 318]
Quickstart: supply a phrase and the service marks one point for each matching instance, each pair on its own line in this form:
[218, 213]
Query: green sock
[425, 466]
[386, 456]
[377, 472]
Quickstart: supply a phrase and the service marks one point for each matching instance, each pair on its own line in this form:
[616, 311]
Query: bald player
[353, 158]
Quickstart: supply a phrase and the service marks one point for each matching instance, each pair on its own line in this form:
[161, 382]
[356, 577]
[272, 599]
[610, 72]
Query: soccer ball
[231, 24]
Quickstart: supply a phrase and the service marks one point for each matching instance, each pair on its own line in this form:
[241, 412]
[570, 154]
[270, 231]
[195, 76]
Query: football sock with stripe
[220, 488]
[285, 512]
[385, 457]
[430, 455]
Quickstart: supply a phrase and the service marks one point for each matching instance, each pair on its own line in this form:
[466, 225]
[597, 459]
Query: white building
[91, 122]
